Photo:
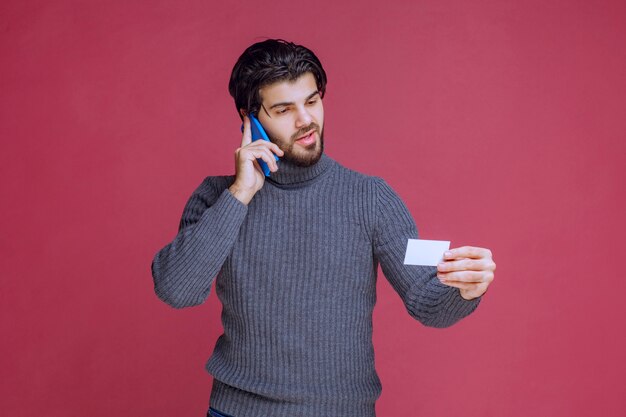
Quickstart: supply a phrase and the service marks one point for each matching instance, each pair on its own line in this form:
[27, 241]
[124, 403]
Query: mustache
[302, 131]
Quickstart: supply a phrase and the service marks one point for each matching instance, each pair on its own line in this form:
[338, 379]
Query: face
[293, 116]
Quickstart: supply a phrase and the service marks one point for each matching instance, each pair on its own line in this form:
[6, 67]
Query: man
[296, 256]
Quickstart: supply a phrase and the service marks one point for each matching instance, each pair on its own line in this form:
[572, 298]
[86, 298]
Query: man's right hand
[249, 177]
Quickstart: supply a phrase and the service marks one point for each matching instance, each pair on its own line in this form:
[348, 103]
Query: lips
[307, 139]
[306, 134]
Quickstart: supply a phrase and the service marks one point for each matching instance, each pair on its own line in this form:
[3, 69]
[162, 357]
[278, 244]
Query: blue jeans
[214, 413]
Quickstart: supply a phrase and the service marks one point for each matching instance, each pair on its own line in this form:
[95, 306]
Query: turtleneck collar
[289, 174]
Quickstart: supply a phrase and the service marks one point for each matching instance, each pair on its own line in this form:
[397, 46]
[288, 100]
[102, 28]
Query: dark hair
[268, 62]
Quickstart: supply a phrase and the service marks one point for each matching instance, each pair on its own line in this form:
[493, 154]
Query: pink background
[500, 123]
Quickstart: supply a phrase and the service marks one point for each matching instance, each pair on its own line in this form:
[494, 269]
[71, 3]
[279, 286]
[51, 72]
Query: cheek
[319, 115]
[277, 134]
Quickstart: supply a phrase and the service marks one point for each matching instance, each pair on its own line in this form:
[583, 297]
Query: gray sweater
[296, 274]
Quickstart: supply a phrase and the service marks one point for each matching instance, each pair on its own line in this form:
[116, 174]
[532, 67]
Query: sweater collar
[290, 174]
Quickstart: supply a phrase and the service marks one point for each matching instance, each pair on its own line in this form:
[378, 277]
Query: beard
[299, 155]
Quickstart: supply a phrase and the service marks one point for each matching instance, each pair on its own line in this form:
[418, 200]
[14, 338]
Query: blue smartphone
[257, 132]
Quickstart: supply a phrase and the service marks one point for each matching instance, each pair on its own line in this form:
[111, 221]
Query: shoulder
[374, 186]
[354, 177]
[371, 192]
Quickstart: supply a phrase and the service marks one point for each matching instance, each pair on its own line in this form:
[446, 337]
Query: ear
[242, 113]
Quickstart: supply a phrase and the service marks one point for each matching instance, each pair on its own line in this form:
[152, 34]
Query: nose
[304, 118]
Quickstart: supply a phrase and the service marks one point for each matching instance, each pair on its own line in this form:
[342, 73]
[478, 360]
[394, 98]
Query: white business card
[425, 252]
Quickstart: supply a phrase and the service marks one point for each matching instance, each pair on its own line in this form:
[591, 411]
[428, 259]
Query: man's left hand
[467, 268]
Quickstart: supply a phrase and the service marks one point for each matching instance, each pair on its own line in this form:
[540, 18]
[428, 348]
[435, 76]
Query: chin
[310, 158]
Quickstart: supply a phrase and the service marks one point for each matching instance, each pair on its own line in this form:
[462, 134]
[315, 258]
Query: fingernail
[448, 254]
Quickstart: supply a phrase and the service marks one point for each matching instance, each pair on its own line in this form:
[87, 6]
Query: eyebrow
[309, 97]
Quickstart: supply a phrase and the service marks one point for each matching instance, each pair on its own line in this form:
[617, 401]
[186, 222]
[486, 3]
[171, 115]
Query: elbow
[443, 310]
[428, 319]
[439, 323]
[177, 301]
[169, 294]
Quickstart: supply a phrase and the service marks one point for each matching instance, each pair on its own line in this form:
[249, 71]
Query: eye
[312, 101]
[282, 110]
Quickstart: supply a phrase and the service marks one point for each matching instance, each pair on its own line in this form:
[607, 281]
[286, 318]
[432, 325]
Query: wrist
[241, 194]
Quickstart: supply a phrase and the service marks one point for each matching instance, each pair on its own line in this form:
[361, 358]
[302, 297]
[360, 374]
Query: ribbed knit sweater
[296, 275]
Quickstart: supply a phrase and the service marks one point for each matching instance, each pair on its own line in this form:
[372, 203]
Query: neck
[290, 174]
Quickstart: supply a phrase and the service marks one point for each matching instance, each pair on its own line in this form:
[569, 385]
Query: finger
[465, 276]
[257, 166]
[467, 252]
[247, 135]
[269, 145]
[275, 149]
[262, 153]
[269, 159]
[463, 265]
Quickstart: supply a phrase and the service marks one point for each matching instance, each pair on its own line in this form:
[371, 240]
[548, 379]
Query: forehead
[289, 91]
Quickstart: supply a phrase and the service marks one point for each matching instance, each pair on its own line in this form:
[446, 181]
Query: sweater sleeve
[425, 297]
[184, 270]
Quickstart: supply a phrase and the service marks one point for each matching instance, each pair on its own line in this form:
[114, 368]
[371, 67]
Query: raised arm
[184, 270]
